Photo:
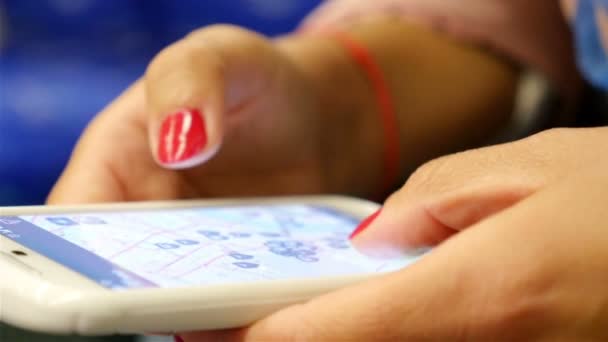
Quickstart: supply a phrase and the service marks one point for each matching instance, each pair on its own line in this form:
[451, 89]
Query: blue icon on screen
[208, 233]
[212, 235]
[292, 244]
[303, 251]
[92, 220]
[246, 264]
[239, 235]
[273, 243]
[240, 256]
[165, 245]
[187, 242]
[282, 251]
[270, 234]
[62, 221]
[307, 258]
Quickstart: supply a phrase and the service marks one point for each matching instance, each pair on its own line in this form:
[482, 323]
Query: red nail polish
[178, 339]
[364, 224]
[182, 135]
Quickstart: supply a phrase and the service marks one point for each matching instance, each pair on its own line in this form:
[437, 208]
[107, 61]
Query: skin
[521, 250]
[526, 257]
[277, 120]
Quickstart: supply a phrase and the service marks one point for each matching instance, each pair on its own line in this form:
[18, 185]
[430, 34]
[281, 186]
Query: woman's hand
[526, 258]
[222, 96]
[226, 112]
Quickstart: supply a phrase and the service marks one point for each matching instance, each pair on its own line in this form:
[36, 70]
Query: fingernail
[182, 135]
[364, 224]
[176, 338]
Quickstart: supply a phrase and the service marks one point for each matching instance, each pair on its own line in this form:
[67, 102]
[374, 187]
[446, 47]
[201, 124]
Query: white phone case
[46, 296]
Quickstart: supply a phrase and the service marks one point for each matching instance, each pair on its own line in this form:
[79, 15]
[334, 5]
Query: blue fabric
[592, 58]
[61, 61]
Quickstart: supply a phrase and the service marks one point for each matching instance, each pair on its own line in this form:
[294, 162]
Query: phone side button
[17, 262]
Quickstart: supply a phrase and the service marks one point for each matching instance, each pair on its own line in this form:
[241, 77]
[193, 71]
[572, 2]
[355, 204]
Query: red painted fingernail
[364, 224]
[182, 135]
[178, 339]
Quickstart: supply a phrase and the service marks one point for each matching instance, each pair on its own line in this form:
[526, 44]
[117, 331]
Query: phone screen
[198, 246]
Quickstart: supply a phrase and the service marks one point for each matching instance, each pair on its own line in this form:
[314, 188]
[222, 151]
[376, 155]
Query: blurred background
[61, 61]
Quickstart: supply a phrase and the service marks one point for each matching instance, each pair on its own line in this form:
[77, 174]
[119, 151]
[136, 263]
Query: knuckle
[393, 200]
[174, 55]
[215, 30]
[545, 150]
[549, 135]
[181, 62]
[190, 51]
[560, 141]
[429, 176]
[201, 48]
[165, 61]
[220, 36]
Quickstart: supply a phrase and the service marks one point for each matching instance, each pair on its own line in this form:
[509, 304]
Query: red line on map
[182, 257]
[134, 245]
[202, 265]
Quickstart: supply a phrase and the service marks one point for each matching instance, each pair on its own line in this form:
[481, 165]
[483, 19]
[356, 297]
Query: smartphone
[175, 266]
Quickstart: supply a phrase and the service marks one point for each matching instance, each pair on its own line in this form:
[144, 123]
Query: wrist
[351, 133]
[441, 105]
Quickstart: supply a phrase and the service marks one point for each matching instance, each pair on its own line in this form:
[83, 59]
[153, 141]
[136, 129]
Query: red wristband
[386, 106]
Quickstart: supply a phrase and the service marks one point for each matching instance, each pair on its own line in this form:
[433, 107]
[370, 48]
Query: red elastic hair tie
[386, 106]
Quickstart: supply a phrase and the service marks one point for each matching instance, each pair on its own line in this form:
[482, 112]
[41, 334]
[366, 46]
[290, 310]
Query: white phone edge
[29, 301]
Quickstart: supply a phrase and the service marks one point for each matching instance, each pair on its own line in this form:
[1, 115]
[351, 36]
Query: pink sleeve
[531, 32]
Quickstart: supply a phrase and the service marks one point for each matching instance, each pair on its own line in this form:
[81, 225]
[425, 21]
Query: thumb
[450, 194]
[194, 84]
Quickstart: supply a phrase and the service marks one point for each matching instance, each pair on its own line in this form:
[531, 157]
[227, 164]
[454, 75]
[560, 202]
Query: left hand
[526, 258]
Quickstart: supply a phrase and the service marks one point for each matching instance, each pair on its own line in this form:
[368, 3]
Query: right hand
[253, 127]
[519, 236]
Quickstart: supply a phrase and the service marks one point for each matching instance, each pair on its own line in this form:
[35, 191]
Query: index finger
[486, 283]
[89, 176]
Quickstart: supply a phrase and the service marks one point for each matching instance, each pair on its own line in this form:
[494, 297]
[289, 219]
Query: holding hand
[219, 89]
[526, 258]
[227, 112]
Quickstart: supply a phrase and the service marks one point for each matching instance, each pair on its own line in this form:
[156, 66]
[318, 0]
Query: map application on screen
[198, 246]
